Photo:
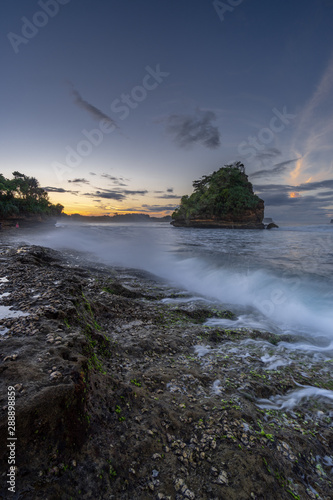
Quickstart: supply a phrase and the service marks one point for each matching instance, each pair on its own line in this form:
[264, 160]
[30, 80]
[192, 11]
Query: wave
[281, 301]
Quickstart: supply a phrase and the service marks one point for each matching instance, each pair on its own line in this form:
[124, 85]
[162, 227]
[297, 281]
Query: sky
[116, 106]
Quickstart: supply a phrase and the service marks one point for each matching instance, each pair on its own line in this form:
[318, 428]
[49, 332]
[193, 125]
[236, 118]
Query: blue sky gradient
[132, 101]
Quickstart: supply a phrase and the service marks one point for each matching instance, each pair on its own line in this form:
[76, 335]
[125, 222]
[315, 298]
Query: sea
[278, 280]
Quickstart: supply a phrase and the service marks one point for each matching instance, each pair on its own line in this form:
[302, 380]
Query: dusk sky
[118, 105]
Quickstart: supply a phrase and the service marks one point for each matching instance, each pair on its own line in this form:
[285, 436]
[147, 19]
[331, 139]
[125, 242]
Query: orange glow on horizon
[89, 208]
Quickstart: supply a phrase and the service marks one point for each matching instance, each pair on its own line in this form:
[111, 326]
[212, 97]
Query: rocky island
[224, 199]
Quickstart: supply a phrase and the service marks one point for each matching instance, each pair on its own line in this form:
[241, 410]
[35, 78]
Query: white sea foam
[201, 350]
[274, 362]
[281, 278]
[216, 387]
[295, 398]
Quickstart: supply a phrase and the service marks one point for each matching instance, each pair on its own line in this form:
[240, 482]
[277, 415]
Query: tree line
[23, 195]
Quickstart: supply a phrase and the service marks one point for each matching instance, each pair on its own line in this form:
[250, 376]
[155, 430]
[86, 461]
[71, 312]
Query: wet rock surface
[123, 392]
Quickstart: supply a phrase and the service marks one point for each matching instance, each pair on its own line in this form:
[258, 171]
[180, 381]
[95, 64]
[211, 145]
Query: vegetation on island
[22, 195]
[226, 191]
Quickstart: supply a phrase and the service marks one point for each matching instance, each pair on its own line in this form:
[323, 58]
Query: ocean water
[279, 280]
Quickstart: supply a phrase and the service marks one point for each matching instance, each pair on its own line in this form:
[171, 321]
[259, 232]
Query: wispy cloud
[268, 154]
[159, 208]
[169, 196]
[96, 113]
[116, 194]
[277, 169]
[142, 192]
[51, 189]
[109, 195]
[188, 130]
[119, 181]
[313, 138]
[81, 181]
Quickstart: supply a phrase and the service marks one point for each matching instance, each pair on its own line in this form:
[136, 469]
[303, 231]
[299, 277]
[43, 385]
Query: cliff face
[250, 219]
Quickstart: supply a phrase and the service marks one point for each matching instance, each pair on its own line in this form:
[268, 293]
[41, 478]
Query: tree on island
[22, 195]
[225, 194]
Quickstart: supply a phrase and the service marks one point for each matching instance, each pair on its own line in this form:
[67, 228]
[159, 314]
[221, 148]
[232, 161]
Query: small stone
[222, 478]
[156, 456]
[189, 494]
[151, 486]
[179, 483]
[214, 471]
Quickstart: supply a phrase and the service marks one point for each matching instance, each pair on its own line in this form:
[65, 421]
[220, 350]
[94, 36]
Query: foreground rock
[121, 394]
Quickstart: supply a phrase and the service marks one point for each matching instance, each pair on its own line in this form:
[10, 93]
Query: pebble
[222, 478]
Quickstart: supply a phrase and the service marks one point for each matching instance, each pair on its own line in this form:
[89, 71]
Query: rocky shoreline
[118, 393]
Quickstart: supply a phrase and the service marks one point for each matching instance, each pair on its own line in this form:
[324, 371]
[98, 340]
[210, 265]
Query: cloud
[169, 196]
[310, 186]
[92, 173]
[268, 154]
[159, 208]
[314, 134]
[278, 168]
[170, 190]
[188, 130]
[109, 195]
[118, 195]
[142, 192]
[322, 92]
[302, 203]
[83, 181]
[51, 189]
[119, 181]
[96, 113]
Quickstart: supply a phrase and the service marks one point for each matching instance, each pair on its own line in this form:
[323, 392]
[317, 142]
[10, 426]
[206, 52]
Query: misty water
[279, 281]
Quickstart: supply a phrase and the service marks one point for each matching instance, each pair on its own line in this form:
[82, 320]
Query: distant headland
[112, 218]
